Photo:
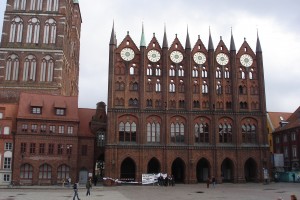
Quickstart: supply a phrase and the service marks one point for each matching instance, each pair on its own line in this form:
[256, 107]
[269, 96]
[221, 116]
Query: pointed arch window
[172, 71]
[36, 4]
[204, 72]
[226, 73]
[47, 68]
[149, 103]
[133, 102]
[158, 71]
[50, 32]
[52, 5]
[132, 69]
[153, 132]
[29, 70]
[158, 86]
[242, 74]
[204, 88]
[181, 86]
[196, 87]
[249, 133]
[12, 68]
[16, 30]
[201, 133]
[149, 70]
[219, 88]
[177, 132]
[127, 132]
[196, 104]
[180, 71]
[172, 86]
[195, 72]
[225, 133]
[218, 73]
[33, 31]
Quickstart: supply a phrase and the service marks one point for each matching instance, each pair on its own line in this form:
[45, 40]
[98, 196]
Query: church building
[192, 111]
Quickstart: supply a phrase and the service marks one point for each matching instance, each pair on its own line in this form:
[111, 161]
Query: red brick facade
[39, 49]
[193, 112]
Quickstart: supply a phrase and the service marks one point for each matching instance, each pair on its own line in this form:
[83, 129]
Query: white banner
[151, 178]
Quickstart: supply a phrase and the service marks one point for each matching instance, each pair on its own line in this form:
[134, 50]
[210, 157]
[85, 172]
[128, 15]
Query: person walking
[75, 188]
[207, 182]
[213, 181]
[88, 186]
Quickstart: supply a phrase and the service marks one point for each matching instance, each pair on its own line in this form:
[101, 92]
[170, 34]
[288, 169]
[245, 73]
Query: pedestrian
[88, 186]
[75, 188]
[293, 197]
[213, 181]
[207, 182]
[294, 177]
[69, 182]
[95, 180]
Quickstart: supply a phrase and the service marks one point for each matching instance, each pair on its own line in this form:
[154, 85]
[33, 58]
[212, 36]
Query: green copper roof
[143, 41]
[75, 1]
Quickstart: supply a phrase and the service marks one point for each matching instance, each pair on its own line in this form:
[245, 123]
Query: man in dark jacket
[75, 188]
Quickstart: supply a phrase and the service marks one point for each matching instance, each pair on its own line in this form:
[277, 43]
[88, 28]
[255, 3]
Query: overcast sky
[277, 23]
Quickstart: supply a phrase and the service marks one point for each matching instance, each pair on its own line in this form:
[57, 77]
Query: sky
[276, 22]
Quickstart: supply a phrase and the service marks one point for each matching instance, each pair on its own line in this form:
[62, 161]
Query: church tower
[39, 50]
[190, 111]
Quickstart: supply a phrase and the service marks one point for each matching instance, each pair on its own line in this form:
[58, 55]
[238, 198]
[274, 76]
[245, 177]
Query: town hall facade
[194, 112]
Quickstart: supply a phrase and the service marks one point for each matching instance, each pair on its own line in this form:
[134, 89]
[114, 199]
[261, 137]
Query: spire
[210, 43]
[165, 41]
[258, 47]
[143, 42]
[113, 36]
[232, 45]
[187, 43]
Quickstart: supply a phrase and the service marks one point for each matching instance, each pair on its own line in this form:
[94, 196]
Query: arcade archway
[227, 170]
[153, 166]
[250, 170]
[178, 169]
[202, 170]
[128, 170]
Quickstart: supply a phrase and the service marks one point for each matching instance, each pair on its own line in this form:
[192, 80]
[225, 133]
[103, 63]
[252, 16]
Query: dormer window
[60, 111]
[36, 110]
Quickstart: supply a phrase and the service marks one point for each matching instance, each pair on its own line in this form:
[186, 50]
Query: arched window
[218, 73]
[196, 87]
[196, 104]
[29, 70]
[52, 5]
[158, 71]
[33, 31]
[127, 132]
[204, 72]
[20, 4]
[45, 171]
[201, 133]
[172, 86]
[249, 133]
[26, 171]
[180, 71]
[16, 30]
[204, 88]
[149, 70]
[225, 133]
[157, 86]
[195, 72]
[181, 86]
[132, 70]
[153, 132]
[36, 4]
[63, 172]
[50, 32]
[226, 73]
[172, 71]
[12, 68]
[177, 132]
[47, 68]
[242, 74]
[219, 88]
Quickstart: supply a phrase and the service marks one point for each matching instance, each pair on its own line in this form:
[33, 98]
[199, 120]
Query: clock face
[246, 60]
[176, 56]
[127, 54]
[153, 55]
[222, 59]
[199, 58]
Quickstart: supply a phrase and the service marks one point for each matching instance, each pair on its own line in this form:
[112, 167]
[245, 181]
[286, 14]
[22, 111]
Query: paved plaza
[249, 191]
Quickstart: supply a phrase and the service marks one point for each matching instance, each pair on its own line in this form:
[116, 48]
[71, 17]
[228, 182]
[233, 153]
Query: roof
[274, 119]
[9, 111]
[48, 103]
[293, 121]
[85, 117]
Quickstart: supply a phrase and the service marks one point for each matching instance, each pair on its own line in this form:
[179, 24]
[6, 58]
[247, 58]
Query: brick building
[39, 49]
[286, 141]
[50, 144]
[194, 111]
[8, 113]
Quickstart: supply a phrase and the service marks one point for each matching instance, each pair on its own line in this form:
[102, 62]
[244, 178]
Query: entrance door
[83, 176]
